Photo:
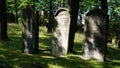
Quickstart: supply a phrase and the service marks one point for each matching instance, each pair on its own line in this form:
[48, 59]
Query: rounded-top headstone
[60, 32]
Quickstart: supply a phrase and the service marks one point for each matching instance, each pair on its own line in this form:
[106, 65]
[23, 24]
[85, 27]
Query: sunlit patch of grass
[78, 42]
[78, 37]
[44, 38]
[14, 29]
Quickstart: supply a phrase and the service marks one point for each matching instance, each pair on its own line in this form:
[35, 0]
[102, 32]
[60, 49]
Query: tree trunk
[3, 20]
[30, 31]
[50, 18]
[16, 11]
[95, 35]
[104, 7]
[74, 6]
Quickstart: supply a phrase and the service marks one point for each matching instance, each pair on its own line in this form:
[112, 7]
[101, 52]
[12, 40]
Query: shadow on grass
[10, 53]
[77, 48]
[45, 42]
[11, 56]
[114, 53]
[16, 59]
[74, 62]
[13, 44]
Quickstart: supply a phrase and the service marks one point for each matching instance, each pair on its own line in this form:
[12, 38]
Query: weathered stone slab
[60, 32]
[30, 30]
[95, 35]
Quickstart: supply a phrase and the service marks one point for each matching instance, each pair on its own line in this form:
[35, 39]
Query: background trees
[113, 10]
[43, 5]
[85, 6]
[10, 50]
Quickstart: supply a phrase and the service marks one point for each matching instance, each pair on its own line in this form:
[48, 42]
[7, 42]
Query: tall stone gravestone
[60, 33]
[95, 35]
[30, 30]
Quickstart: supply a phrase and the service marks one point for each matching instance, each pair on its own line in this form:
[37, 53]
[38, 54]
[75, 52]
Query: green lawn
[11, 56]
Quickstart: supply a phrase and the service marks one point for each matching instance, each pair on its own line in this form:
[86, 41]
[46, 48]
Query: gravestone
[60, 32]
[95, 35]
[30, 30]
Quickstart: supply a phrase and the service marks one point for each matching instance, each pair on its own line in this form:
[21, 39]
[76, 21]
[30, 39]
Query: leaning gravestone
[30, 30]
[60, 33]
[95, 35]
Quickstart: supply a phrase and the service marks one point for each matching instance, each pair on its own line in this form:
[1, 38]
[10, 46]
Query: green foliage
[40, 5]
[85, 6]
[21, 4]
[24, 3]
[10, 6]
[114, 13]
[117, 10]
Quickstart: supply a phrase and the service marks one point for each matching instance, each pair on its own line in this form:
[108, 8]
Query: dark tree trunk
[50, 18]
[16, 11]
[3, 20]
[30, 30]
[104, 7]
[74, 6]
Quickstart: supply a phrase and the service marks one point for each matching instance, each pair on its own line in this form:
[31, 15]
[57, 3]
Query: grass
[11, 56]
